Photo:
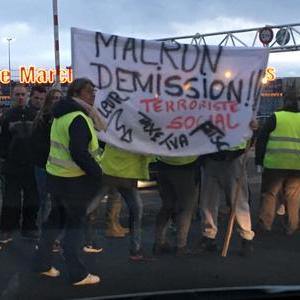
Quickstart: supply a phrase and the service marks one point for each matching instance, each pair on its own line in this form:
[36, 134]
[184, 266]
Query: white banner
[167, 98]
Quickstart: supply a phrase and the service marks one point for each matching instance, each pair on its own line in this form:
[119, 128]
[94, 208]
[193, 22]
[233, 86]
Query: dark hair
[47, 105]
[77, 85]
[37, 88]
[19, 85]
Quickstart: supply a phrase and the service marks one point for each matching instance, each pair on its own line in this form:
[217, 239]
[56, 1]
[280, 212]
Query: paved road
[275, 262]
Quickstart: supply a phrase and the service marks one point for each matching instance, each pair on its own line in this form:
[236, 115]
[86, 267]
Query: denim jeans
[134, 203]
[135, 207]
[44, 201]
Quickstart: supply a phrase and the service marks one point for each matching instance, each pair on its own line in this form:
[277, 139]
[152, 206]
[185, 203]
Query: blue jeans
[44, 202]
[135, 207]
[134, 203]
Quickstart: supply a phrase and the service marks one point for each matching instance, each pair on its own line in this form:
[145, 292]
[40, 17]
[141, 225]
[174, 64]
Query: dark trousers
[44, 202]
[12, 203]
[178, 188]
[68, 212]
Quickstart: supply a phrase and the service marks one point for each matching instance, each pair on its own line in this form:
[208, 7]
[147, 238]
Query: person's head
[82, 88]
[53, 96]
[37, 96]
[19, 95]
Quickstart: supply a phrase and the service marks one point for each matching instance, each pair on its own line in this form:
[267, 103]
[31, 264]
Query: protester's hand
[254, 124]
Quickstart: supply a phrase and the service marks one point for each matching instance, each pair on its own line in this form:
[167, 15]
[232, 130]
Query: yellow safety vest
[121, 163]
[240, 146]
[283, 147]
[178, 161]
[60, 162]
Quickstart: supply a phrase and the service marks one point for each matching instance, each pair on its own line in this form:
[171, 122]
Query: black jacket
[224, 155]
[80, 137]
[40, 140]
[15, 147]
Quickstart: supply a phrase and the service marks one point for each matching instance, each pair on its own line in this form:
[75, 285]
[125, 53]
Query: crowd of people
[56, 173]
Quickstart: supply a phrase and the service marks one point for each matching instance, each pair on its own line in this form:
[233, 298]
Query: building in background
[30, 76]
[272, 95]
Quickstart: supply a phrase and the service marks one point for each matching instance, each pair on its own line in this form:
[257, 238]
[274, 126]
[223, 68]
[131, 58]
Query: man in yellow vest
[74, 177]
[278, 152]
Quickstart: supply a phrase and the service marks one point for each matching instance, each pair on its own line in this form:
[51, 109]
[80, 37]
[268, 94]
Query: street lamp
[9, 39]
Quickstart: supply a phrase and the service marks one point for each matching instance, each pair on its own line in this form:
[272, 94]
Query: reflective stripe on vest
[60, 162]
[121, 163]
[64, 148]
[68, 164]
[283, 147]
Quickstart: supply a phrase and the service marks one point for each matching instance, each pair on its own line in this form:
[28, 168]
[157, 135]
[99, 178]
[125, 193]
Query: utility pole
[9, 39]
[56, 43]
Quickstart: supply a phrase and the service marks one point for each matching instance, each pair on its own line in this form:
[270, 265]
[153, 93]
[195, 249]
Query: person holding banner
[178, 180]
[122, 169]
[277, 151]
[224, 173]
[74, 177]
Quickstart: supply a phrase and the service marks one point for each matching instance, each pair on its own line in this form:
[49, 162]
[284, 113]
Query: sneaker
[281, 210]
[247, 248]
[52, 272]
[89, 279]
[140, 256]
[6, 237]
[30, 234]
[290, 231]
[207, 245]
[56, 248]
[92, 248]
[161, 249]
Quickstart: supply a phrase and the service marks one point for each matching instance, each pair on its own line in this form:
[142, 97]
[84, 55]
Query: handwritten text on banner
[168, 98]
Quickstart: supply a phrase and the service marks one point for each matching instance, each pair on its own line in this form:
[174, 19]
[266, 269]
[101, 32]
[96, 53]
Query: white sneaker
[52, 272]
[89, 279]
[5, 238]
[281, 210]
[92, 249]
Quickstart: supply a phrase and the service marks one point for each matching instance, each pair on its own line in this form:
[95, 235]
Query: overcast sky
[30, 23]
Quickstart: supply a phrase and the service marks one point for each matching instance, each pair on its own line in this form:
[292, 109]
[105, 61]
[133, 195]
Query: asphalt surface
[276, 261]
